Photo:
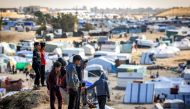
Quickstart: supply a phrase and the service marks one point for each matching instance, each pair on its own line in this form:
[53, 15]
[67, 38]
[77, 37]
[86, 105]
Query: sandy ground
[116, 95]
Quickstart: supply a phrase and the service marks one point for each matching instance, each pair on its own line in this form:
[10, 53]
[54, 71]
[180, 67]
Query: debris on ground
[24, 100]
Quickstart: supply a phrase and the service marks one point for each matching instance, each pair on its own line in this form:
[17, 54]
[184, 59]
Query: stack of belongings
[171, 89]
[173, 104]
[12, 85]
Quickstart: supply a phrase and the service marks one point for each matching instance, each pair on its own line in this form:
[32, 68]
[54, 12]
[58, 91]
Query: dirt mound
[24, 100]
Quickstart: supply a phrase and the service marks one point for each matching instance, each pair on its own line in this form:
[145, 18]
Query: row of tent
[144, 93]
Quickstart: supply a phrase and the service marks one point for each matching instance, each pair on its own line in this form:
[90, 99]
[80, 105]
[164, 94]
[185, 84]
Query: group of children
[59, 77]
[67, 77]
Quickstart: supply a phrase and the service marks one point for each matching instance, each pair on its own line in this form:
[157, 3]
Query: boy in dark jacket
[53, 85]
[73, 82]
[102, 91]
[36, 62]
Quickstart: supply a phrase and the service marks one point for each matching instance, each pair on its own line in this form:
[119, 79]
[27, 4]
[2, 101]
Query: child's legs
[59, 97]
[102, 102]
[52, 98]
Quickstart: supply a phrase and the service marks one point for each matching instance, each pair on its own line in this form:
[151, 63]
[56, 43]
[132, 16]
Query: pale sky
[98, 3]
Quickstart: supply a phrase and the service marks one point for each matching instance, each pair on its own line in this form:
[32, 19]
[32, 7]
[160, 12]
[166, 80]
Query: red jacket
[43, 60]
[52, 81]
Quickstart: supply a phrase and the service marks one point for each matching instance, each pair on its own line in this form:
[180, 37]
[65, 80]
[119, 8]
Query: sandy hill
[177, 11]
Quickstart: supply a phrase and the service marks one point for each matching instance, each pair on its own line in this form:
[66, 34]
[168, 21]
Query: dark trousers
[78, 99]
[42, 74]
[55, 92]
[73, 99]
[102, 101]
[36, 69]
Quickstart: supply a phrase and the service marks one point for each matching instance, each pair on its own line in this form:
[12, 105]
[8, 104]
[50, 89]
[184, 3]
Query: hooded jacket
[101, 86]
[72, 77]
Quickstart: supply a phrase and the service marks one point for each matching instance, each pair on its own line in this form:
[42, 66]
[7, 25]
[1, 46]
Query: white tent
[184, 44]
[147, 58]
[146, 43]
[107, 65]
[129, 73]
[92, 72]
[5, 49]
[163, 85]
[164, 51]
[88, 49]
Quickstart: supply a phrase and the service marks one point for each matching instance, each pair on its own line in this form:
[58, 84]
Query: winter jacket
[101, 86]
[72, 77]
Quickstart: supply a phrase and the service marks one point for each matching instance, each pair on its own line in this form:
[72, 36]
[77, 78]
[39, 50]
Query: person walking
[102, 91]
[43, 63]
[36, 62]
[73, 82]
[53, 85]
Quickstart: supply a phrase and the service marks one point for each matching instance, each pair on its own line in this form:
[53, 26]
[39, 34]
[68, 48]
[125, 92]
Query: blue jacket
[72, 77]
[101, 86]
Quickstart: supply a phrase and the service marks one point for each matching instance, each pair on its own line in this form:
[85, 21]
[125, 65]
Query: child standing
[53, 86]
[102, 90]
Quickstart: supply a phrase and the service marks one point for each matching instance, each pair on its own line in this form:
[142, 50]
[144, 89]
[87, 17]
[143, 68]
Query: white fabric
[105, 63]
[94, 67]
[7, 49]
[164, 51]
[88, 49]
[145, 58]
[147, 43]
[184, 44]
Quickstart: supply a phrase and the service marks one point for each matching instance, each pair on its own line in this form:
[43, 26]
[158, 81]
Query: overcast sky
[98, 3]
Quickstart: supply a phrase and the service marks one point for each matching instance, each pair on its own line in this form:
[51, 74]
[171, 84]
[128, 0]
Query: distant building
[33, 9]
[8, 10]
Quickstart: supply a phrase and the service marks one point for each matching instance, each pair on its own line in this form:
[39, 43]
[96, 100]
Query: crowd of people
[67, 76]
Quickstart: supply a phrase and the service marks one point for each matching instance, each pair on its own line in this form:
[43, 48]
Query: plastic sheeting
[89, 50]
[184, 44]
[107, 65]
[146, 43]
[146, 59]
[139, 93]
[164, 51]
[5, 49]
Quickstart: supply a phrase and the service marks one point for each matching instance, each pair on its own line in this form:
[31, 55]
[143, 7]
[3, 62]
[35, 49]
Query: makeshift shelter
[126, 47]
[53, 48]
[3, 65]
[184, 44]
[174, 104]
[146, 43]
[107, 65]
[102, 53]
[147, 58]
[110, 47]
[186, 75]
[139, 93]
[5, 49]
[165, 86]
[93, 72]
[164, 51]
[25, 53]
[88, 49]
[129, 73]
